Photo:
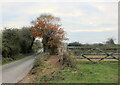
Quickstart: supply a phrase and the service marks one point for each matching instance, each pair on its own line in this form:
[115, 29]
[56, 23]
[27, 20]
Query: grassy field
[83, 73]
[90, 73]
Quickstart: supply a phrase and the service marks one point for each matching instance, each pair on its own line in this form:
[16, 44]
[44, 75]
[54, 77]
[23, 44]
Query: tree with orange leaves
[49, 29]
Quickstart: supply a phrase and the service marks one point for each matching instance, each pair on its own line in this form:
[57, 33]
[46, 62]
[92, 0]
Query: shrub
[40, 59]
[68, 60]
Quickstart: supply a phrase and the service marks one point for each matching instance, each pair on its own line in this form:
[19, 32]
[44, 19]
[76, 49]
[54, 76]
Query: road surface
[15, 71]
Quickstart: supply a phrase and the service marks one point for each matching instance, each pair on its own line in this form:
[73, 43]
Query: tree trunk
[45, 41]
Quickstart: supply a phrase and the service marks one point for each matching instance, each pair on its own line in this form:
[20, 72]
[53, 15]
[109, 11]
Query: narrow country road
[15, 71]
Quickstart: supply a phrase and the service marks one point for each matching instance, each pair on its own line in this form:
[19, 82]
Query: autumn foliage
[48, 28]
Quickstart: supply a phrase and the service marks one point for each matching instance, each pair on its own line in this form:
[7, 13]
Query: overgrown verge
[48, 68]
[67, 64]
[39, 60]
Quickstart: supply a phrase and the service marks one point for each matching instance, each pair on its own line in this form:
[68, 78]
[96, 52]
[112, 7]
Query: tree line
[108, 42]
[16, 41]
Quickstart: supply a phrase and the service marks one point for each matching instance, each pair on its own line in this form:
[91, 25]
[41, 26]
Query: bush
[40, 59]
[68, 60]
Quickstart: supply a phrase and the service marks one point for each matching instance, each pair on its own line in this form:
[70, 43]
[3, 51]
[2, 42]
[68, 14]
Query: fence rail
[100, 53]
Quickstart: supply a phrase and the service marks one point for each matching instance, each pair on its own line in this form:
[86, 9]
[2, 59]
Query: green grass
[84, 73]
[17, 57]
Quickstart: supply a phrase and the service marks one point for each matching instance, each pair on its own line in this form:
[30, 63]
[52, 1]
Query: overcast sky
[86, 22]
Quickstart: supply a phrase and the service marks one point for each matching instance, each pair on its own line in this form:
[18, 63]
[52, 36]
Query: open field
[90, 73]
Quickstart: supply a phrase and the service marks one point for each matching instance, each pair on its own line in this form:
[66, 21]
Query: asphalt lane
[15, 71]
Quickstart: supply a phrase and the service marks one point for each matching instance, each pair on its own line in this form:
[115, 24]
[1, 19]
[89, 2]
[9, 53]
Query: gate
[96, 54]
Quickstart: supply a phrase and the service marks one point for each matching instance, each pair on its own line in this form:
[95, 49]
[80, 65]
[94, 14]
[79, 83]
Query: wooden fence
[100, 53]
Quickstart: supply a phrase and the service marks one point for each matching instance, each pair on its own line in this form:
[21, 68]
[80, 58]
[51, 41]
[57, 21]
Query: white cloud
[59, 0]
[17, 22]
[58, 9]
[71, 13]
[92, 30]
